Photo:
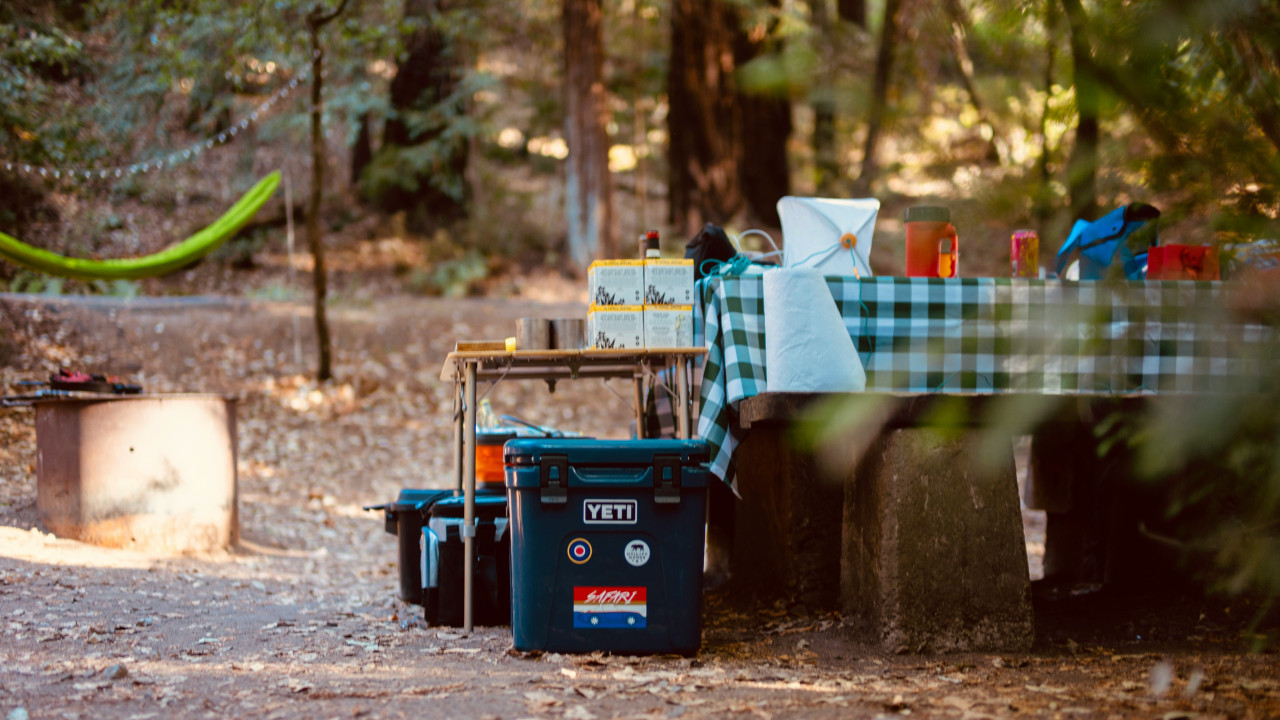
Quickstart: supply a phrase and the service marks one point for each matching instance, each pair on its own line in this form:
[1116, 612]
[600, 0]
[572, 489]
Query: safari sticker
[579, 551]
[610, 607]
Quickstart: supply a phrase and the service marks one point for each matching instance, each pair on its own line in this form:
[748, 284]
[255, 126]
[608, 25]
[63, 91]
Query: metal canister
[533, 334]
[1024, 254]
[568, 333]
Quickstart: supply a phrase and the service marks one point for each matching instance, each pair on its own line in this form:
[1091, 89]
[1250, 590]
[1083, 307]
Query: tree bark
[766, 125]
[763, 170]
[960, 21]
[1042, 205]
[362, 151]
[704, 125]
[826, 163]
[1082, 168]
[714, 177]
[316, 19]
[879, 98]
[588, 185]
[427, 77]
[854, 11]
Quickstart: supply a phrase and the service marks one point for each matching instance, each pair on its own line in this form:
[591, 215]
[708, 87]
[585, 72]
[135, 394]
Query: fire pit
[144, 472]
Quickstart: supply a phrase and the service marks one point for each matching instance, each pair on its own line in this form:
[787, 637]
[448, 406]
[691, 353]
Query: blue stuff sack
[1101, 241]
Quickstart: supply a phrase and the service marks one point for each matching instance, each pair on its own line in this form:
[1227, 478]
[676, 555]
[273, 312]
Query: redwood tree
[1082, 168]
[879, 98]
[727, 154]
[588, 184]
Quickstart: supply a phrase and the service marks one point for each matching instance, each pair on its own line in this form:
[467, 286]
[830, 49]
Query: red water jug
[1182, 262]
[933, 250]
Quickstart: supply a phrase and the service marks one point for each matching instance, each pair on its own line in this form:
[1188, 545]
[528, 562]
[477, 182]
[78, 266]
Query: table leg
[639, 400]
[459, 441]
[469, 489]
[682, 395]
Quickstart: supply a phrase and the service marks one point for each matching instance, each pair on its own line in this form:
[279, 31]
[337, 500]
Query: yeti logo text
[609, 512]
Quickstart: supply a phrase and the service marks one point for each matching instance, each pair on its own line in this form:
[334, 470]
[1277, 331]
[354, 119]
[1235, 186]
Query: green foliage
[447, 127]
[28, 281]
[450, 278]
[34, 60]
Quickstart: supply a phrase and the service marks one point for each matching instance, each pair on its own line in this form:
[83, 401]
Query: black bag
[711, 243]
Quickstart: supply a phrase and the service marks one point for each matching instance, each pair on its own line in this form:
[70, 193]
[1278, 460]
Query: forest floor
[304, 619]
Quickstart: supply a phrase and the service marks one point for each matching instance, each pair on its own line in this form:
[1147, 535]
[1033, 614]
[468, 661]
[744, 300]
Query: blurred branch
[317, 18]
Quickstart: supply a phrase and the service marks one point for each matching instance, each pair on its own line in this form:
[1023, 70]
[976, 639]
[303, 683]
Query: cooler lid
[618, 463]
[413, 499]
[484, 500]
[486, 506]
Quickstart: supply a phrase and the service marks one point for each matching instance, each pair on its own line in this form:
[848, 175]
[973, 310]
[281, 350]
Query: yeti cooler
[606, 544]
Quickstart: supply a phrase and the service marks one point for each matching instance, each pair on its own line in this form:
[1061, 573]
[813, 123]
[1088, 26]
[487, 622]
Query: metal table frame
[467, 369]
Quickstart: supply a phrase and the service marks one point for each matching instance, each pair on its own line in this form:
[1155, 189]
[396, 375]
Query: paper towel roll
[807, 347]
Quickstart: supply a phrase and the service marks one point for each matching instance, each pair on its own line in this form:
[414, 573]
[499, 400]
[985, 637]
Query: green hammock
[154, 265]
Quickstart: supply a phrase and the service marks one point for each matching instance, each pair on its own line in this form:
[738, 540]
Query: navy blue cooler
[443, 563]
[606, 544]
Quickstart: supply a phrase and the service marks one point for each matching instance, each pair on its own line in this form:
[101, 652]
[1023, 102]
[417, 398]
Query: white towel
[807, 347]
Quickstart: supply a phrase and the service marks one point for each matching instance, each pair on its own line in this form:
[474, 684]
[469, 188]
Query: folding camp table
[468, 368]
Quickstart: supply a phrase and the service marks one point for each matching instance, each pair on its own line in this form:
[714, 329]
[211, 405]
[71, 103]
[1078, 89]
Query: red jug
[933, 249]
[1182, 262]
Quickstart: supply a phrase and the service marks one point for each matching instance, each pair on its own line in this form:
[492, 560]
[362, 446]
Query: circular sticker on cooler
[579, 551]
[636, 552]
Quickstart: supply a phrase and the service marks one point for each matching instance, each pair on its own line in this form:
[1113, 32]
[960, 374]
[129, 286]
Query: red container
[489, 442]
[933, 250]
[1183, 262]
[1024, 254]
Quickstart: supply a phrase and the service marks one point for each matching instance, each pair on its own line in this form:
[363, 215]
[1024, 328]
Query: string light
[175, 157]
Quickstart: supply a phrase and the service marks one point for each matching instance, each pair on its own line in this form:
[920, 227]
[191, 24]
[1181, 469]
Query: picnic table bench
[911, 534]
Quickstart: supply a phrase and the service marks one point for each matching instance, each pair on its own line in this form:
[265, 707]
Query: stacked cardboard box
[640, 303]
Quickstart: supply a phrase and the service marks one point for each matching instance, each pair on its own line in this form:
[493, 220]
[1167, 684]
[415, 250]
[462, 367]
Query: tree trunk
[429, 75]
[826, 163]
[1042, 205]
[854, 11]
[714, 177]
[1082, 168]
[704, 125]
[588, 184]
[763, 170]
[362, 151]
[879, 98]
[316, 20]
[960, 21]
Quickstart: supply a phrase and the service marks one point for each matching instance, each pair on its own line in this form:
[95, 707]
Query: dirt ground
[304, 620]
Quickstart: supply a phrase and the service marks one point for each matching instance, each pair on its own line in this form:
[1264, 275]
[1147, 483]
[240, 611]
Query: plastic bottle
[485, 417]
[649, 245]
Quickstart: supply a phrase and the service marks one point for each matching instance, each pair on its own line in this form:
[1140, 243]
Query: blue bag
[1100, 241]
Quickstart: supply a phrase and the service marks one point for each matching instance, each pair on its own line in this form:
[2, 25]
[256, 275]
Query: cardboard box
[615, 327]
[615, 282]
[668, 282]
[668, 326]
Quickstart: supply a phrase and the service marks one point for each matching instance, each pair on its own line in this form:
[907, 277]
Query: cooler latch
[666, 479]
[554, 479]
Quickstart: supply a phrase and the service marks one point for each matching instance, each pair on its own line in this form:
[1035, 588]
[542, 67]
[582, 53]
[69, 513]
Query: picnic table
[921, 340]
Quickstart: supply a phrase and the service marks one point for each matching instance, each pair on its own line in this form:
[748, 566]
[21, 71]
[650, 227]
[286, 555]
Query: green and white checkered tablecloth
[988, 335]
